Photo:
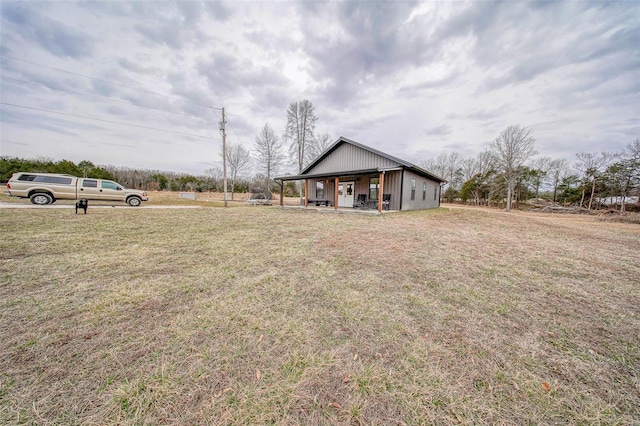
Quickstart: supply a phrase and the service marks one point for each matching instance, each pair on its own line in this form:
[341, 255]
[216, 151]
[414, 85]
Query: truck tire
[41, 198]
[134, 201]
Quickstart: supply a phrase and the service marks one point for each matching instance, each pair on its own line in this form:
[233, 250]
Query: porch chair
[360, 201]
[386, 200]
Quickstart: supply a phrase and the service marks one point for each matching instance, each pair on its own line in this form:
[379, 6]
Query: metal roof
[341, 140]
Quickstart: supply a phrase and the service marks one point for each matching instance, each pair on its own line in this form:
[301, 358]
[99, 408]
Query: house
[365, 178]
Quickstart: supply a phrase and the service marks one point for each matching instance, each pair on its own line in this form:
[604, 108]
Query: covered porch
[370, 190]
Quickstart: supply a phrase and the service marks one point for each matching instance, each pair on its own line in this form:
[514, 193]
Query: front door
[346, 194]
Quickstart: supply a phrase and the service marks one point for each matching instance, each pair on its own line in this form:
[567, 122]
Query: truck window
[28, 178]
[89, 183]
[53, 179]
[105, 184]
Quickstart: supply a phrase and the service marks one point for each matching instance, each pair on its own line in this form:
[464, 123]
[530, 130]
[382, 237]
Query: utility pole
[224, 155]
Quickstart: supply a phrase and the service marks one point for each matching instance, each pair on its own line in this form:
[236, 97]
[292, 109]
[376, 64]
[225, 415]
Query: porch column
[281, 193]
[306, 193]
[335, 194]
[380, 192]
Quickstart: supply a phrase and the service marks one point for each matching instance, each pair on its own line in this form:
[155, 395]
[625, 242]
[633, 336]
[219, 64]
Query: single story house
[349, 174]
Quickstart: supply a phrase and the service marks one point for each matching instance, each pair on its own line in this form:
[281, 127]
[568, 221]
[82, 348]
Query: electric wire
[234, 130]
[97, 97]
[104, 81]
[106, 121]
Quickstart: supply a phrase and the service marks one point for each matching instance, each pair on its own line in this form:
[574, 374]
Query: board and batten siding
[349, 157]
[329, 190]
[419, 203]
[392, 184]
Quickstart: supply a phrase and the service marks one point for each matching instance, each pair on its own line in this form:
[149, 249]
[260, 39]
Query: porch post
[335, 194]
[281, 193]
[380, 192]
[306, 193]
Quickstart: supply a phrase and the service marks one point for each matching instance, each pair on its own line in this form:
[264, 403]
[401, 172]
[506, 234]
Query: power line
[104, 81]
[95, 96]
[234, 131]
[106, 121]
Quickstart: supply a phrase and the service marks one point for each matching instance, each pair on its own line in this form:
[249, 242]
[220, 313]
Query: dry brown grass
[262, 315]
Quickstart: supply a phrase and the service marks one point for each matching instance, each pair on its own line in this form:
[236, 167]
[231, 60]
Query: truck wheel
[41, 198]
[134, 201]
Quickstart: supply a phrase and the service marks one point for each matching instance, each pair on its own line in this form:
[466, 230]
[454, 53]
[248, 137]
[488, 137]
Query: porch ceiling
[335, 174]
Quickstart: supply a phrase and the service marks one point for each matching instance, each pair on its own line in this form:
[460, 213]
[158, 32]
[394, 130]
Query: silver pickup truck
[46, 188]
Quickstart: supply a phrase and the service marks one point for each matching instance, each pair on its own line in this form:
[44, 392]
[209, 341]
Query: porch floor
[343, 210]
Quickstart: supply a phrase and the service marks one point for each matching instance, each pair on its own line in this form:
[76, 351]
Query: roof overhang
[378, 170]
[336, 174]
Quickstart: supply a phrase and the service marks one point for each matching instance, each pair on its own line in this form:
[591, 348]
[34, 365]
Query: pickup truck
[46, 188]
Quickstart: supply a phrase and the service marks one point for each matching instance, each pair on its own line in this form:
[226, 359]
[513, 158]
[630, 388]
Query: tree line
[508, 171]
[299, 145]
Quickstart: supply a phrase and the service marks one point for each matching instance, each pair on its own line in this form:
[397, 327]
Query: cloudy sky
[133, 84]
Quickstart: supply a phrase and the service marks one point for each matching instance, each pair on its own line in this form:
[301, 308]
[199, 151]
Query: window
[319, 189]
[435, 193]
[105, 184]
[89, 183]
[28, 178]
[413, 189]
[53, 179]
[424, 191]
[374, 185]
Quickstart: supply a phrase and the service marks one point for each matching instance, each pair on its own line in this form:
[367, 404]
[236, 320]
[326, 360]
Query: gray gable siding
[347, 157]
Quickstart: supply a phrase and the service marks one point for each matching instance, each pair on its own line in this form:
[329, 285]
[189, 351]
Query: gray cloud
[227, 75]
[376, 42]
[442, 130]
[219, 10]
[59, 39]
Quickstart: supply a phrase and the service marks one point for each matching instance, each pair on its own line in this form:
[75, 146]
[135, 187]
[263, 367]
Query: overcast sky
[412, 79]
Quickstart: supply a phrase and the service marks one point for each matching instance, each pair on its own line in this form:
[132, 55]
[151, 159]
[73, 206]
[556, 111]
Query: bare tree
[301, 123]
[590, 165]
[317, 146]
[215, 175]
[539, 171]
[239, 162]
[453, 170]
[447, 166]
[435, 165]
[629, 168]
[557, 170]
[269, 152]
[511, 149]
[478, 174]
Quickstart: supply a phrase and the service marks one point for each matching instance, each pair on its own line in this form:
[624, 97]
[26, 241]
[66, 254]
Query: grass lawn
[254, 315]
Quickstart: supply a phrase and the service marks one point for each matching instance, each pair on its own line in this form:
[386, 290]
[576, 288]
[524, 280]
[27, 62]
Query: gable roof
[342, 140]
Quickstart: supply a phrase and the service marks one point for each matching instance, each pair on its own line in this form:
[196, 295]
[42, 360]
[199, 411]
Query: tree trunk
[624, 195]
[593, 190]
[509, 195]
